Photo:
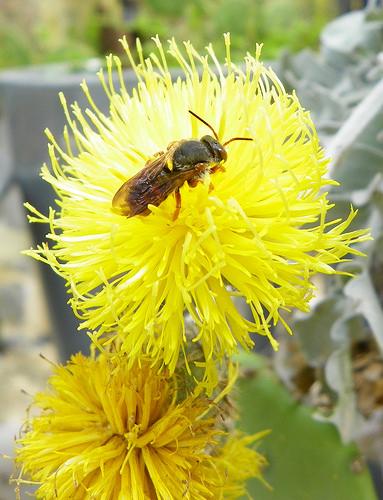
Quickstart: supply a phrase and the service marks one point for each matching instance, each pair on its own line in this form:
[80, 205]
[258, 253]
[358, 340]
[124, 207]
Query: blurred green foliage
[39, 31]
[291, 24]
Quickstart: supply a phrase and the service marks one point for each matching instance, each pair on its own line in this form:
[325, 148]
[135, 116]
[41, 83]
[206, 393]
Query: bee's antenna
[206, 123]
[237, 139]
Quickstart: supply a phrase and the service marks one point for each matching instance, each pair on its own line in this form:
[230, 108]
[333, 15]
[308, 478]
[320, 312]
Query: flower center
[132, 437]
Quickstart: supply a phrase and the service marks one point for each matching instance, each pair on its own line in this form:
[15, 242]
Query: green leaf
[307, 459]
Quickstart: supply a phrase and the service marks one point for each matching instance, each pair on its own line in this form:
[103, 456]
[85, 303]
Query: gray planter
[28, 104]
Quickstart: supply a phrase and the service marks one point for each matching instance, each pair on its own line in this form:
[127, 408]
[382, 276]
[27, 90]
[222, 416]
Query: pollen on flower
[107, 431]
[258, 231]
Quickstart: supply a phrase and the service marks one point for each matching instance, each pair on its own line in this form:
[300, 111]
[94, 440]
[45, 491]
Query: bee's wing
[143, 189]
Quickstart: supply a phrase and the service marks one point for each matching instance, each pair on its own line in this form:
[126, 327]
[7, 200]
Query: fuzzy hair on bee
[186, 160]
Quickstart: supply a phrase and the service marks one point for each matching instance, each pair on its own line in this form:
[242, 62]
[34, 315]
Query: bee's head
[215, 147]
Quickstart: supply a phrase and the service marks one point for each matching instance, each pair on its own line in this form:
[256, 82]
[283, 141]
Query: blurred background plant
[334, 362]
[38, 31]
[293, 24]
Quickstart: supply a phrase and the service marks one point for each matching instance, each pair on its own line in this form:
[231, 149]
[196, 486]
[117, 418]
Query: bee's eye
[216, 149]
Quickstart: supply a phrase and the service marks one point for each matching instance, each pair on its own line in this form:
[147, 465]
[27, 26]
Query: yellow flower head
[108, 431]
[255, 228]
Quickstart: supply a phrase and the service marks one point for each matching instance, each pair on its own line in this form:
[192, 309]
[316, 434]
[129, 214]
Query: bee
[186, 160]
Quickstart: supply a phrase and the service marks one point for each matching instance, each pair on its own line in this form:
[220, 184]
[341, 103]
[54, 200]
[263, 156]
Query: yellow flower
[257, 231]
[108, 431]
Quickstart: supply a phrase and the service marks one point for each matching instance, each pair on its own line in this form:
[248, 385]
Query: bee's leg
[193, 181]
[217, 168]
[177, 195]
